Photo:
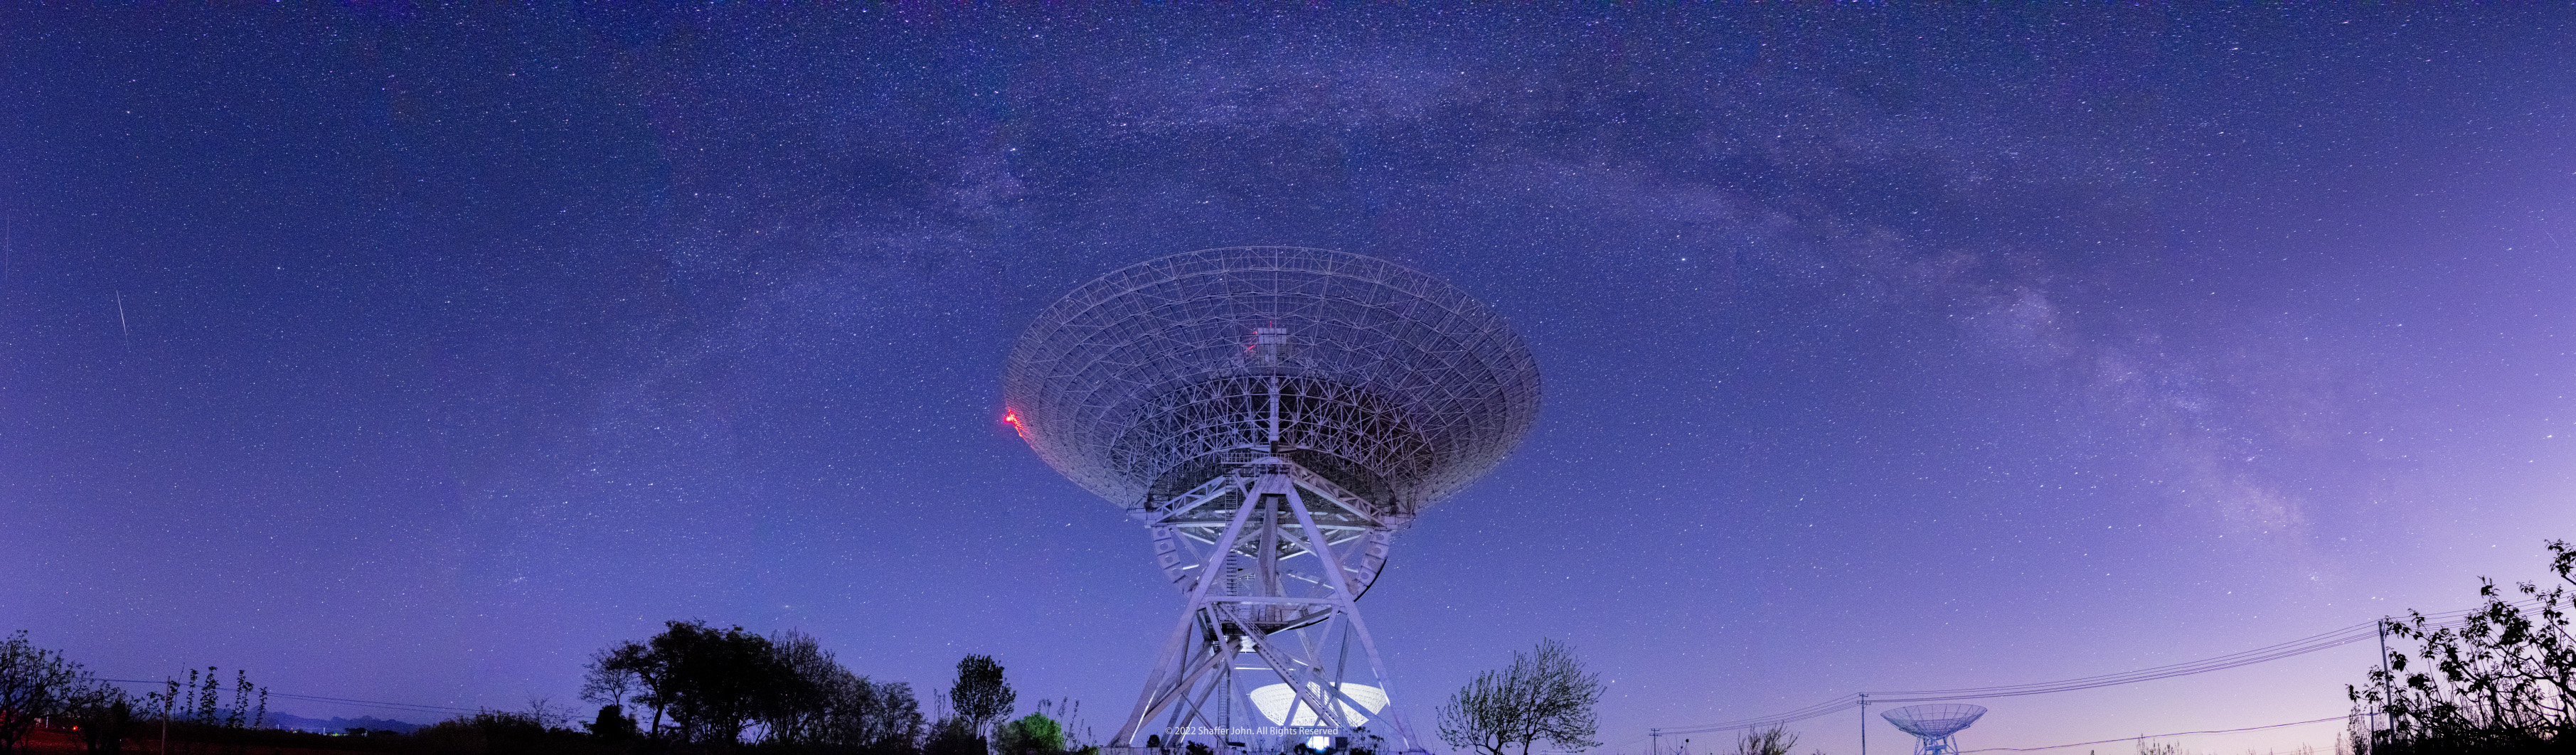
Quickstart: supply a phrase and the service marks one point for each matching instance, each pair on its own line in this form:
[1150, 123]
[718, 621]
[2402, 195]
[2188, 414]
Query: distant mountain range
[339, 725]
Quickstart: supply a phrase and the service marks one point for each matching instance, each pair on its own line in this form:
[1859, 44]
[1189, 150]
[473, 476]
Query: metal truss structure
[1272, 415]
[1935, 727]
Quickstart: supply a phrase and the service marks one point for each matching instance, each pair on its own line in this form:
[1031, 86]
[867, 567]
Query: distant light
[1318, 743]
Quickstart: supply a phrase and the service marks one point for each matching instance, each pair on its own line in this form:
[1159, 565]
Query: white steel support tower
[1273, 415]
[1289, 553]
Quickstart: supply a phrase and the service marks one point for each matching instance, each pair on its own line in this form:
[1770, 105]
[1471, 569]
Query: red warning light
[1012, 416]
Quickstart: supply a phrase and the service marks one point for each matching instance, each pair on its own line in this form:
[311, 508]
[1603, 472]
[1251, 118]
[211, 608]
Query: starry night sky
[403, 354]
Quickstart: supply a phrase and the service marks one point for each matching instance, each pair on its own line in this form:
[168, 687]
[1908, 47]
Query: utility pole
[1656, 741]
[2384, 700]
[1864, 723]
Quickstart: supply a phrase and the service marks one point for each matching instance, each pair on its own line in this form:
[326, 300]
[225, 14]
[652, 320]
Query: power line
[1826, 708]
[2302, 646]
[2145, 736]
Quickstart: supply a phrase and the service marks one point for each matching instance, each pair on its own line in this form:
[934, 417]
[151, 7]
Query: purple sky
[399, 355]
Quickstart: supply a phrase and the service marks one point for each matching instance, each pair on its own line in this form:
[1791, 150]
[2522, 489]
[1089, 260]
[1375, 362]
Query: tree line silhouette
[692, 689]
[2502, 682]
[698, 688]
[42, 688]
[712, 687]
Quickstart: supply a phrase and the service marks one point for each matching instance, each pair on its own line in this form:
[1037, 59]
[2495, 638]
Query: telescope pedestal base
[1244, 639]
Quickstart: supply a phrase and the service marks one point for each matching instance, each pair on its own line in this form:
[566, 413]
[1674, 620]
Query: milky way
[407, 355]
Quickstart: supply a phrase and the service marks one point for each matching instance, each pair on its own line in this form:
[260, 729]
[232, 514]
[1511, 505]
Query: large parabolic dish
[1152, 379]
[1935, 725]
[1272, 415]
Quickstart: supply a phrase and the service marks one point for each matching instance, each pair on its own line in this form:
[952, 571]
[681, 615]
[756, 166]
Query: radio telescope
[1932, 725]
[1273, 415]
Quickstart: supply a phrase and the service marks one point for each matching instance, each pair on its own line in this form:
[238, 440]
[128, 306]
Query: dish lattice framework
[1935, 725]
[1158, 377]
[1934, 721]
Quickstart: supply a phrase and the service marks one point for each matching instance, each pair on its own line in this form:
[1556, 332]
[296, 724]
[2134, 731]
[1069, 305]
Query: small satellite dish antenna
[1932, 725]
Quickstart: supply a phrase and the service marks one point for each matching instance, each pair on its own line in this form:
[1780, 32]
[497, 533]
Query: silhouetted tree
[104, 714]
[239, 714]
[35, 683]
[716, 685]
[980, 694]
[1545, 695]
[796, 713]
[858, 715]
[650, 674]
[194, 713]
[612, 724]
[209, 697]
[2502, 681]
[493, 732]
[609, 676]
[824, 705]
[953, 735]
[1777, 740]
[718, 682]
[161, 704]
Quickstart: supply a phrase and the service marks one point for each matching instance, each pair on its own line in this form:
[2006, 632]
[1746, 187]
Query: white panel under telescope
[1273, 701]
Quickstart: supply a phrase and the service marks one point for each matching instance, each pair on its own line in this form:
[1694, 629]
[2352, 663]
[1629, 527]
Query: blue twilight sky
[398, 353]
